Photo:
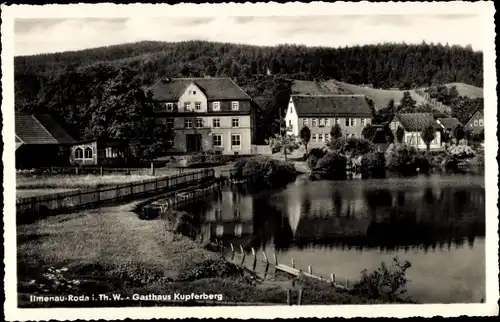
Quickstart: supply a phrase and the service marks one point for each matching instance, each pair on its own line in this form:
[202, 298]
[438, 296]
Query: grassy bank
[110, 251]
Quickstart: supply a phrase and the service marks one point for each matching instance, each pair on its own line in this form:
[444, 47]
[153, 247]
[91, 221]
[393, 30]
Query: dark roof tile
[332, 105]
[40, 129]
[215, 88]
[416, 121]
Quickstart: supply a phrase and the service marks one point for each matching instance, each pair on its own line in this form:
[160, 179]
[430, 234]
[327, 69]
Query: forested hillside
[70, 85]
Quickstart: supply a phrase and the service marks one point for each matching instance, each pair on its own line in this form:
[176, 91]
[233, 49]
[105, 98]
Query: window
[78, 153]
[320, 137]
[216, 106]
[170, 123]
[194, 92]
[327, 122]
[187, 106]
[304, 121]
[313, 123]
[321, 122]
[289, 122]
[350, 122]
[235, 106]
[327, 137]
[353, 122]
[170, 107]
[235, 122]
[188, 123]
[88, 153]
[291, 109]
[197, 106]
[199, 122]
[476, 123]
[216, 122]
[480, 122]
[235, 140]
[314, 138]
[339, 121]
[363, 122]
[217, 140]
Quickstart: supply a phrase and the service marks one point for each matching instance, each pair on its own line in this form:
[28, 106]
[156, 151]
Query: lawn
[65, 181]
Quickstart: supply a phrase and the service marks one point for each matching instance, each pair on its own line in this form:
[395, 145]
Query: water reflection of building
[387, 218]
[230, 215]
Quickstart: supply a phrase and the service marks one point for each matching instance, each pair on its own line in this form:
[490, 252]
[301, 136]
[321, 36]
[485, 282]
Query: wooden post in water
[332, 278]
[232, 251]
[242, 255]
[293, 263]
[310, 270]
[299, 299]
[289, 297]
[254, 259]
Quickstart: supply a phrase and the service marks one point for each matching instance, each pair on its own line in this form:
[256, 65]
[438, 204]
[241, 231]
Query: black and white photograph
[276, 160]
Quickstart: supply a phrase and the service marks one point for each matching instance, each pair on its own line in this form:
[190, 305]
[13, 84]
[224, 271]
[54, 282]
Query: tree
[400, 134]
[407, 102]
[336, 132]
[305, 136]
[428, 135]
[286, 143]
[458, 133]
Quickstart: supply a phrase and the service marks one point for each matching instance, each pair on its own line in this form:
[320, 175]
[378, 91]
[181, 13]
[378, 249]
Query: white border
[486, 9]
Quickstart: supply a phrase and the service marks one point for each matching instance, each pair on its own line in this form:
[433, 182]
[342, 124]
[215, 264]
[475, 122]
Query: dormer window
[216, 106]
[170, 107]
[235, 106]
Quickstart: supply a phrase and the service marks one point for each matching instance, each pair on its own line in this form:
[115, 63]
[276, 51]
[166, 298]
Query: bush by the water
[461, 152]
[314, 155]
[332, 166]
[264, 169]
[351, 146]
[386, 282]
[373, 165]
[401, 158]
[213, 267]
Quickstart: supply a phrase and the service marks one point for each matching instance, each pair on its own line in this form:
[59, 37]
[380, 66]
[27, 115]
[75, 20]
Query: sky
[34, 36]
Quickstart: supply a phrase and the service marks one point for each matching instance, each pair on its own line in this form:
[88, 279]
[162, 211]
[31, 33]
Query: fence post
[275, 259]
[293, 263]
[254, 259]
[289, 297]
[243, 255]
[102, 171]
[152, 169]
[310, 269]
[232, 251]
[299, 299]
[332, 278]
[265, 256]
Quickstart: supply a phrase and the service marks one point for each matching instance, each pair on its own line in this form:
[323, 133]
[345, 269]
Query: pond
[435, 222]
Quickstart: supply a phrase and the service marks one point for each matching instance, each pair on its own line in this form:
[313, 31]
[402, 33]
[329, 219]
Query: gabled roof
[223, 88]
[331, 105]
[40, 129]
[415, 121]
[449, 122]
[474, 114]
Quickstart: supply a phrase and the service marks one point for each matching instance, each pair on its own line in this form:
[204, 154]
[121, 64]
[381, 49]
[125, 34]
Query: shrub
[461, 152]
[264, 169]
[401, 158]
[209, 268]
[351, 146]
[373, 165]
[388, 283]
[332, 166]
[314, 155]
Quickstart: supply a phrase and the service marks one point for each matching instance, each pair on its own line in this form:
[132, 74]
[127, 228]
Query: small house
[476, 123]
[40, 141]
[94, 152]
[413, 125]
[448, 123]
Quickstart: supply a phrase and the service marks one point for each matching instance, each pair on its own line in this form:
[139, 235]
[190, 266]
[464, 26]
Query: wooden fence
[268, 265]
[77, 199]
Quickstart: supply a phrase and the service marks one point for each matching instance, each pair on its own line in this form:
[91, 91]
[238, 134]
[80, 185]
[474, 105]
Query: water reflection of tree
[270, 224]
